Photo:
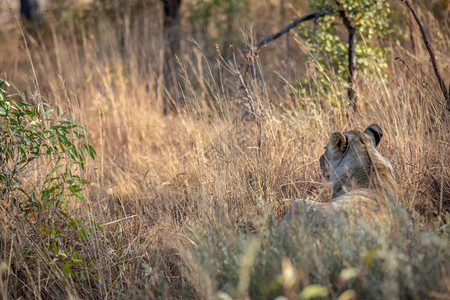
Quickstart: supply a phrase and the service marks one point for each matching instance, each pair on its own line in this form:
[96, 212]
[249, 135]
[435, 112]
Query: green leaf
[313, 291]
[79, 135]
[348, 274]
[64, 214]
[67, 269]
[97, 226]
[78, 195]
[54, 169]
[91, 151]
[48, 112]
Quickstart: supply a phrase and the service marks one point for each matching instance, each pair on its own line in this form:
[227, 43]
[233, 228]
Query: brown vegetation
[237, 149]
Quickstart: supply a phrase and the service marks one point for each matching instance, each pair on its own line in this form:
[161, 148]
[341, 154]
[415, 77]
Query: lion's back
[356, 207]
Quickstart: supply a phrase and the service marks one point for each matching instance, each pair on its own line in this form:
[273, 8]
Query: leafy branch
[29, 138]
[295, 23]
[351, 28]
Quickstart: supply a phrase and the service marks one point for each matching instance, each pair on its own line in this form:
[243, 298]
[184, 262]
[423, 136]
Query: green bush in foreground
[29, 138]
[41, 156]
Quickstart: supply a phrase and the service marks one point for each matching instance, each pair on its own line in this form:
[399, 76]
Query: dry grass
[187, 200]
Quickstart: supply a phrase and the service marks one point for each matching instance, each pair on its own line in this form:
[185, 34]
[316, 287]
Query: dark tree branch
[351, 28]
[292, 25]
[442, 84]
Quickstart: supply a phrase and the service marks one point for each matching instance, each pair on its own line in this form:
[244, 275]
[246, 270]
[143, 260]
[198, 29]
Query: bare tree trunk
[32, 10]
[172, 36]
[351, 28]
[172, 23]
[352, 66]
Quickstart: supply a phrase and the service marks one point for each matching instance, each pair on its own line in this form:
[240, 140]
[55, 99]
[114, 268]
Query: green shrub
[41, 157]
[30, 141]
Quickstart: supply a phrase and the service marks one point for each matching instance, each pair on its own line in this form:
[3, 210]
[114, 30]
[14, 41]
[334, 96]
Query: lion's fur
[362, 182]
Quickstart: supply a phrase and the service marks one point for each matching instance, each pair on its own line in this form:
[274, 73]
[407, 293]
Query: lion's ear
[338, 141]
[375, 133]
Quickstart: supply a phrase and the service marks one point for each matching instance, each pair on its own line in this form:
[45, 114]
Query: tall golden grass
[187, 199]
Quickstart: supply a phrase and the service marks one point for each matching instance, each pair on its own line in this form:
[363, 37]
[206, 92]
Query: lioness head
[351, 161]
[362, 182]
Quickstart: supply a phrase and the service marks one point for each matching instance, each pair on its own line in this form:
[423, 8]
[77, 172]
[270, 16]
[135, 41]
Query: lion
[362, 182]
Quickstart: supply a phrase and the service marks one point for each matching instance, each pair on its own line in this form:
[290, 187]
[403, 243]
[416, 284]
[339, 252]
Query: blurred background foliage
[215, 25]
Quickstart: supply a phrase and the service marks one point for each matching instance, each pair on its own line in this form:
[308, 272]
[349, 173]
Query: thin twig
[442, 84]
[119, 220]
[420, 81]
